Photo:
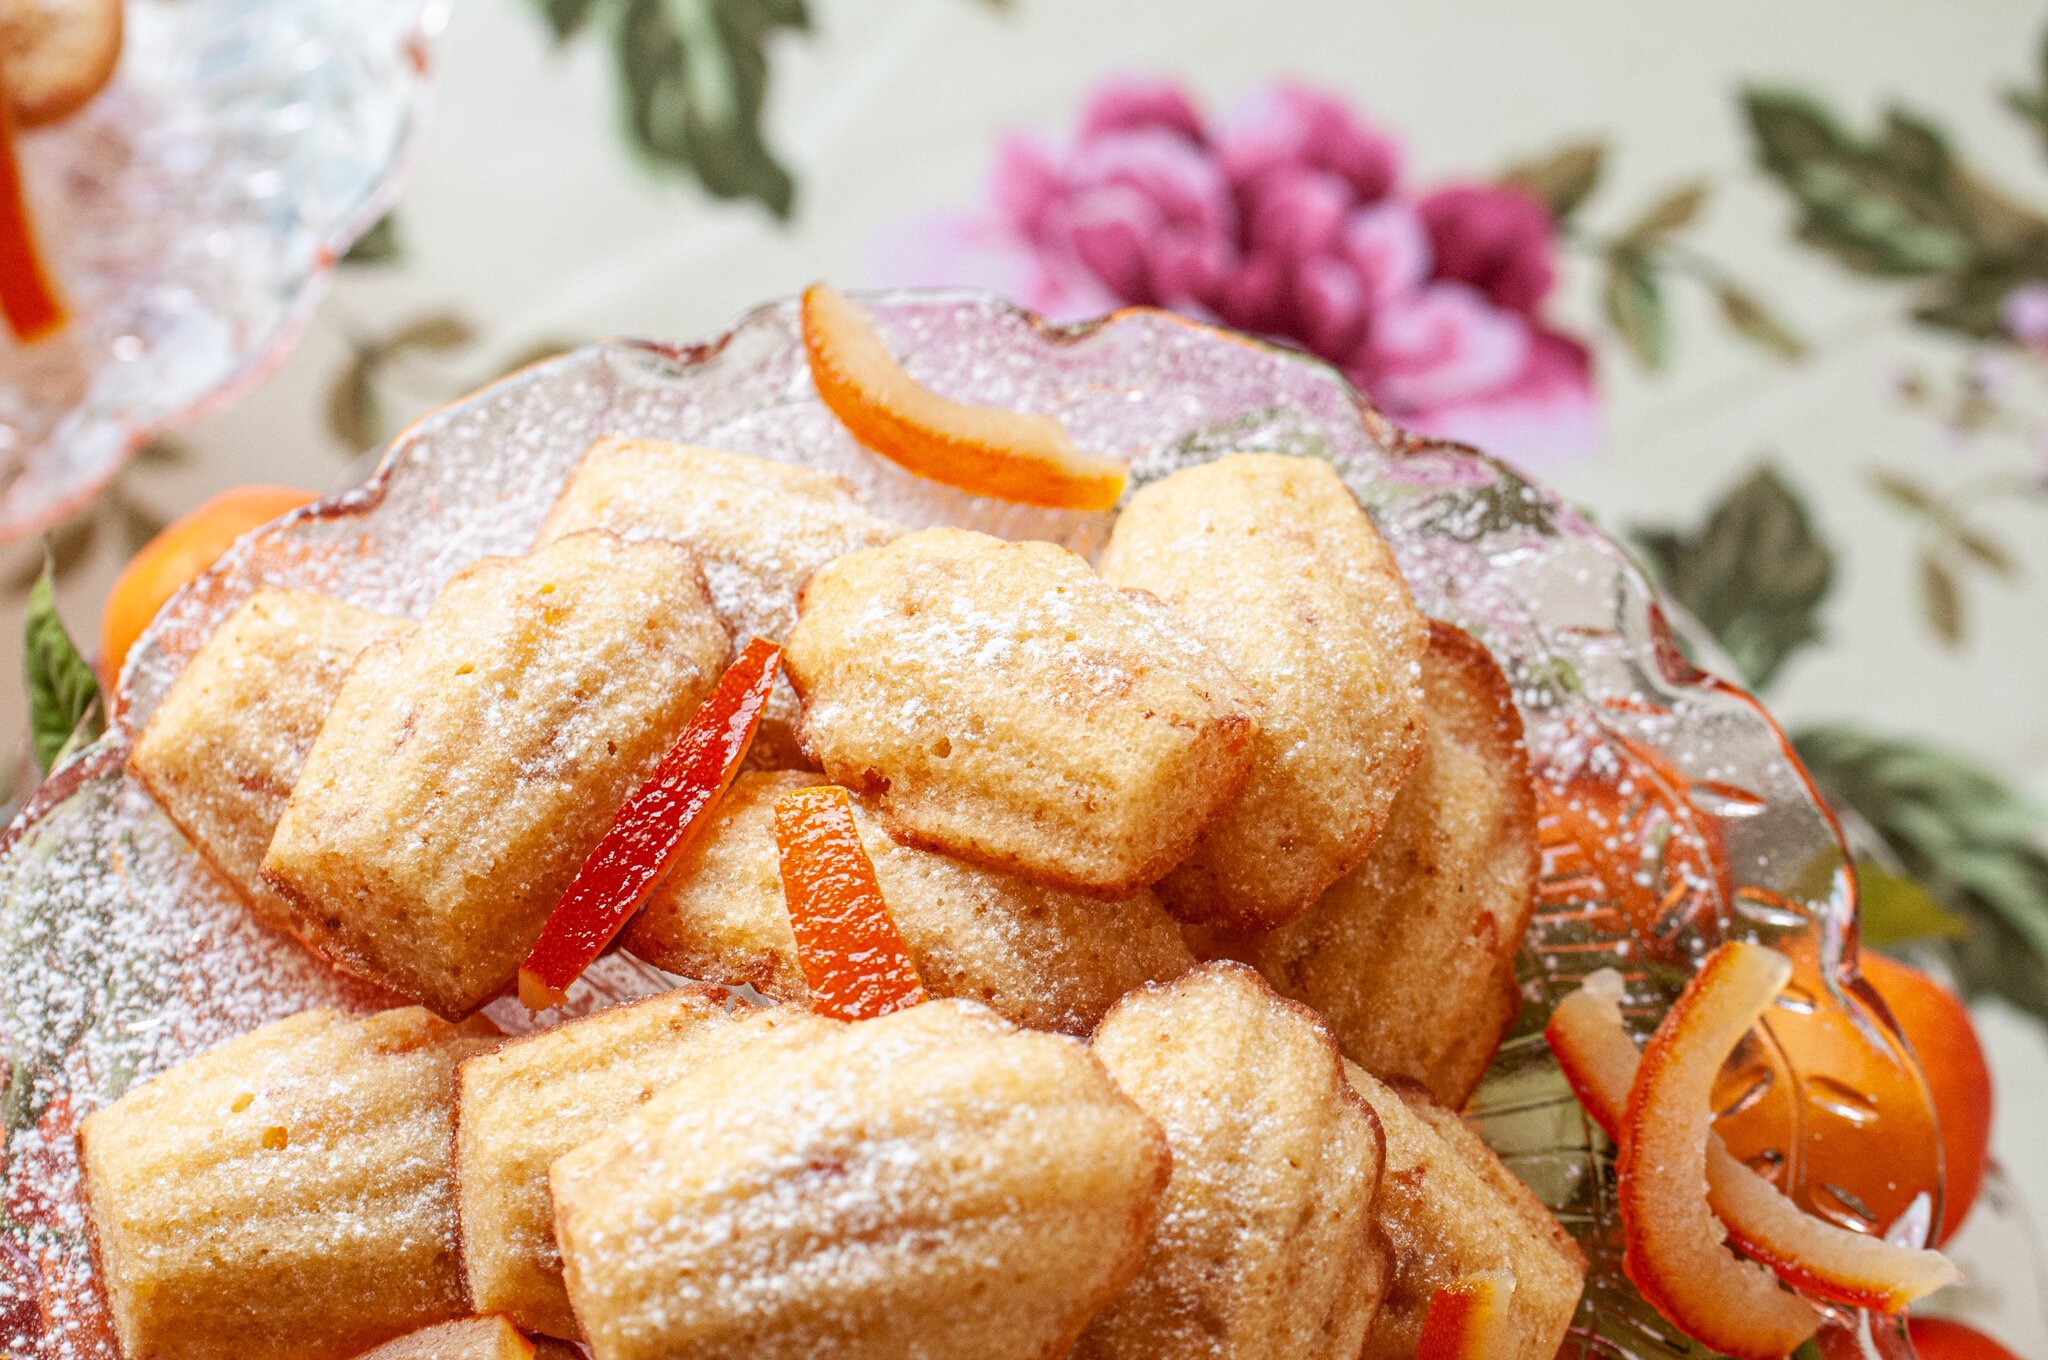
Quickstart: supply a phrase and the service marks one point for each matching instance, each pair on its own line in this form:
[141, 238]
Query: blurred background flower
[1289, 216]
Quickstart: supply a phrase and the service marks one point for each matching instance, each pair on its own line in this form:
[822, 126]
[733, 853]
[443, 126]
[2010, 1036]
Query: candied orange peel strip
[1824, 1259]
[1676, 1251]
[1469, 1320]
[846, 942]
[28, 296]
[1007, 455]
[656, 825]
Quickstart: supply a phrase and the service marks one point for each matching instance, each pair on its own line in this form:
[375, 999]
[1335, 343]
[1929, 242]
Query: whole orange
[1941, 1339]
[177, 554]
[1938, 1027]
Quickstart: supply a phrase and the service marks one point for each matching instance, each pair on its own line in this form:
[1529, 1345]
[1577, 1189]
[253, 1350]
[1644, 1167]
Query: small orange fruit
[1942, 1339]
[176, 555]
[1009, 455]
[1937, 1025]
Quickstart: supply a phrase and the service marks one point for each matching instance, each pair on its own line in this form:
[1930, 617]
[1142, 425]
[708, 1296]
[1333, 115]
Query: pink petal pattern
[1288, 218]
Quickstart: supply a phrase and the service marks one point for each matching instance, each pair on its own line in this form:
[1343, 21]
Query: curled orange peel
[1008, 455]
[1469, 1320]
[1675, 1253]
[1657, 1108]
[1600, 1061]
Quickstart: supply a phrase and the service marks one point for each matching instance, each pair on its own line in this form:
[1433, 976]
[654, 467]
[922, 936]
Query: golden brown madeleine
[1465, 1141]
[477, 1338]
[222, 751]
[529, 1101]
[1450, 1210]
[1410, 958]
[934, 1183]
[285, 1196]
[1265, 1248]
[464, 774]
[1005, 706]
[759, 528]
[1270, 561]
[1040, 957]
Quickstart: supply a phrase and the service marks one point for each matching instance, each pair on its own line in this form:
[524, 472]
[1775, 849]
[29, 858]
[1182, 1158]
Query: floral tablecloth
[1764, 287]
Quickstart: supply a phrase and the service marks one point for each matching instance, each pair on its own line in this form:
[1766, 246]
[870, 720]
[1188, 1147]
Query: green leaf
[1889, 205]
[565, 17]
[1561, 180]
[695, 76]
[438, 332]
[1980, 547]
[1970, 300]
[1747, 316]
[1754, 574]
[1896, 910]
[1634, 304]
[1964, 836]
[381, 244]
[354, 414]
[1941, 599]
[1907, 492]
[63, 693]
[2031, 102]
[1674, 212]
[164, 451]
[1953, 532]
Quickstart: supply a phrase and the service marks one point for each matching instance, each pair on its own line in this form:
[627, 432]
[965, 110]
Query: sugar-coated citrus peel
[846, 942]
[28, 296]
[1008, 455]
[1828, 1261]
[655, 826]
[1469, 1320]
[1675, 1247]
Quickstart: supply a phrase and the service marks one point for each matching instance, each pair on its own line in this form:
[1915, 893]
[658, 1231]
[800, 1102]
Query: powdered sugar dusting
[120, 955]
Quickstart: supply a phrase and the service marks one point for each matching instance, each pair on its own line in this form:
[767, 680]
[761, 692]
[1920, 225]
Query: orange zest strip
[1594, 1051]
[1825, 1260]
[1828, 1261]
[655, 826]
[1008, 455]
[1469, 1320]
[1675, 1252]
[1809, 1253]
[27, 294]
[846, 942]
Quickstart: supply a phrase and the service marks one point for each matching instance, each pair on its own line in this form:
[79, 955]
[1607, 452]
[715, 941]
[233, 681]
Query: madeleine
[1272, 564]
[1265, 1247]
[524, 1104]
[934, 1183]
[1003, 705]
[1040, 957]
[477, 1338]
[758, 528]
[1450, 1210]
[215, 1192]
[222, 751]
[1410, 958]
[465, 773]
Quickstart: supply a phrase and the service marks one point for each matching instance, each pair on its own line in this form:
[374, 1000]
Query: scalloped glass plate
[1675, 815]
[191, 212]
